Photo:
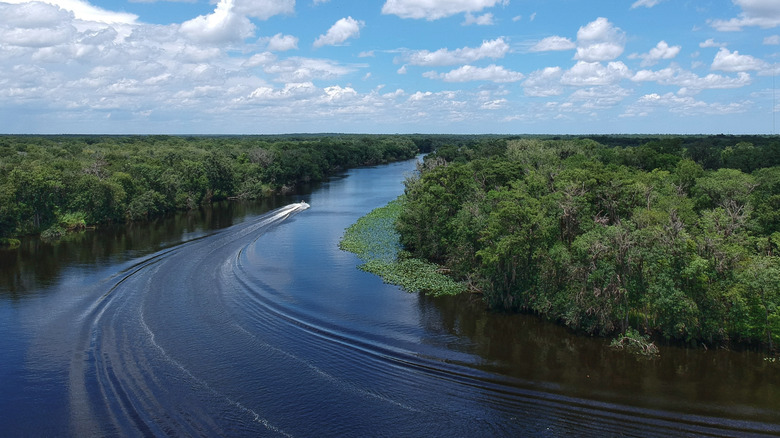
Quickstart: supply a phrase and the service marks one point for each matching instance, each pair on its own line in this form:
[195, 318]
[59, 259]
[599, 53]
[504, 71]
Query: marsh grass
[374, 239]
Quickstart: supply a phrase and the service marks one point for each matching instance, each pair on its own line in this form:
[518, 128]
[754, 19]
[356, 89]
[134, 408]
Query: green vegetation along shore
[374, 239]
[676, 237]
[53, 184]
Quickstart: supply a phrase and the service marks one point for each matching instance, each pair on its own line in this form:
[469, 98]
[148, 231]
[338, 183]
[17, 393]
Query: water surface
[247, 320]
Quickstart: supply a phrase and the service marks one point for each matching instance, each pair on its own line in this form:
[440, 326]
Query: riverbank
[651, 238]
[52, 184]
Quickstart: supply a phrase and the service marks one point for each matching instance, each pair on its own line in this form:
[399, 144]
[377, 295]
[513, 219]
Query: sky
[389, 66]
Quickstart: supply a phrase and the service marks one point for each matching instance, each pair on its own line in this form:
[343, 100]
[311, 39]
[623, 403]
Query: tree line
[49, 184]
[676, 236]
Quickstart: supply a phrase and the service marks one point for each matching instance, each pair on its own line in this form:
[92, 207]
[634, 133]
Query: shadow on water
[37, 264]
[535, 353]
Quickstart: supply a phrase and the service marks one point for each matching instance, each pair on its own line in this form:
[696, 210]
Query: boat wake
[153, 338]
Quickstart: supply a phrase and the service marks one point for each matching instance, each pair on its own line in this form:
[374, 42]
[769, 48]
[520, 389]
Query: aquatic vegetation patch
[636, 343]
[7, 243]
[374, 239]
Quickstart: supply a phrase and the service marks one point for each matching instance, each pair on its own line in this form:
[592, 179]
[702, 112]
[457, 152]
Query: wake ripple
[126, 380]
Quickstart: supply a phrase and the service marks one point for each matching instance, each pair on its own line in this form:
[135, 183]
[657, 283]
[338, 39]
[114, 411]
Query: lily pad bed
[374, 239]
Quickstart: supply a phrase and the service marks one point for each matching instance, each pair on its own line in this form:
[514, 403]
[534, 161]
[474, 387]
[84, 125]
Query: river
[247, 320]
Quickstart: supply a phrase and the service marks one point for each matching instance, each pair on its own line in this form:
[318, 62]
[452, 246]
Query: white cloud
[599, 40]
[544, 83]
[761, 13]
[683, 105]
[772, 40]
[341, 31]
[662, 50]
[336, 92]
[435, 9]
[221, 26]
[553, 43]
[479, 20]
[35, 25]
[289, 91]
[594, 98]
[305, 69]
[258, 59]
[645, 3]
[691, 81]
[494, 49]
[32, 15]
[264, 9]
[726, 60]
[418, 96]
[83, 10]
[467, 73]
[588, 74]
[711, 43]
[281, 43]
[494, 104]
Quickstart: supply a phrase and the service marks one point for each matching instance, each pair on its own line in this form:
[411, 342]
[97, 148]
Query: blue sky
[390, 66]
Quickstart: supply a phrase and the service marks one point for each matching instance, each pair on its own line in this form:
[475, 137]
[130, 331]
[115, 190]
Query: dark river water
[247, 320]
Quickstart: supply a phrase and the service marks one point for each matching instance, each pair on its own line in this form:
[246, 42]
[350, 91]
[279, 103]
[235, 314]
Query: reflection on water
[37, 263]
[731, 384]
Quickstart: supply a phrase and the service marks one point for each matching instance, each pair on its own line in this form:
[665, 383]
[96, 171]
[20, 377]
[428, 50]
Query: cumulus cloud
[479, 20]
[292, 90]
[645, 3]
[494, 104]
[594, 98]
[337, 92]
[711, 43]
[281, 43]
[305, 69]
[553, 43]
[494, 49]
[264, 9]
[341, 31]
[259, 59]
[544, 83]
[83, 10]
[35, 25]
[726, 60]
[435, 9]
[662, 50]
[599, 40]
[772, 40]
[690, 81]
[594, 73]
[761, 13]
[468, 73]
[683, 105]
[221, 26]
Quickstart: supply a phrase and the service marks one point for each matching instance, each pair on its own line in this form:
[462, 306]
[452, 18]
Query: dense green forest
[49, 184]
[676, 237]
